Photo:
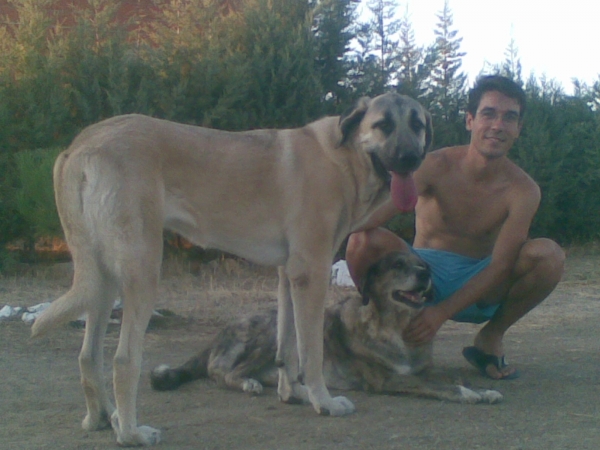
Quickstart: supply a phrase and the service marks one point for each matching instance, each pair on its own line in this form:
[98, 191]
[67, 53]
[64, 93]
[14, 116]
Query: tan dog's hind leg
[91, 357]
[94, 294]
[308, 282]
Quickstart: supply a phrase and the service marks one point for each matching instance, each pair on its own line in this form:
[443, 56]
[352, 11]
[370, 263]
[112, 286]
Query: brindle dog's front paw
[252, 386]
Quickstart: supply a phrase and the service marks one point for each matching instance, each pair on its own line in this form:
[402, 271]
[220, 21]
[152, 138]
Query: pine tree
[269, 70]
[384, 27]
[511, 67]
[333, 28]
[104, 71]
[446, 86]
[595, 98]
[412, 69]
[374, 60]
[361, 77]
[447, 82]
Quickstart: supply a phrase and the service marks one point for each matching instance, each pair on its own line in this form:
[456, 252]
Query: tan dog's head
[398, 277]
[395, 130]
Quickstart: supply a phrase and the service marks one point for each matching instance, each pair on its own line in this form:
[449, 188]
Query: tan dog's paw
[296, 395]
[336, 406]
[292, 393]
[142, 435]
[101, 422]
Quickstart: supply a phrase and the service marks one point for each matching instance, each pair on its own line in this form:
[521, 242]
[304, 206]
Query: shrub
[34, 196]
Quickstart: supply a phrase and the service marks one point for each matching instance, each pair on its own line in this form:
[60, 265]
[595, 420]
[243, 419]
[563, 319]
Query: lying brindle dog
[363, 348]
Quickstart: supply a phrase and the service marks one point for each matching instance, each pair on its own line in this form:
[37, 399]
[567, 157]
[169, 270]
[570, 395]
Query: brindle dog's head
[394, 129]
[398, 277]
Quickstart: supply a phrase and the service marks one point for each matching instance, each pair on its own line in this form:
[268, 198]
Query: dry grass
[224, 289]
[219, 290]
[215, 293]
[582, 266]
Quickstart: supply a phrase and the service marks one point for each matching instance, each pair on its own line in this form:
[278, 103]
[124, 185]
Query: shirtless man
[473, 213]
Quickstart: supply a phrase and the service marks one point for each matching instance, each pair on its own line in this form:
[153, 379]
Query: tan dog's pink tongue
[404, 192]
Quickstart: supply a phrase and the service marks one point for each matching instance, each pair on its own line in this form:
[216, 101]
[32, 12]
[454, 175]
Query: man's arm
[380, 217]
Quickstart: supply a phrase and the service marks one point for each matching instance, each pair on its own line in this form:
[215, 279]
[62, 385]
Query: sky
[559, 39]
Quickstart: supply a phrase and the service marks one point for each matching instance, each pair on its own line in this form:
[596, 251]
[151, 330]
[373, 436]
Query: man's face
[496, 125]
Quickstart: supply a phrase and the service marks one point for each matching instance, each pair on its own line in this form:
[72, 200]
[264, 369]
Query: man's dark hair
[497, 83]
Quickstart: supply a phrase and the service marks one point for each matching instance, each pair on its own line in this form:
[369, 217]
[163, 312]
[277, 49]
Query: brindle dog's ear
[366, 286]
[351, 118]
[365, 298]
[428, 131]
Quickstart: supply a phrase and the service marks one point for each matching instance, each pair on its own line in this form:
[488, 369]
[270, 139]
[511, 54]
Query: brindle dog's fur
[364, 349]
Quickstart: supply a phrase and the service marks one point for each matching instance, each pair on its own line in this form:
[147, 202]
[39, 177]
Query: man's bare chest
[468, 211]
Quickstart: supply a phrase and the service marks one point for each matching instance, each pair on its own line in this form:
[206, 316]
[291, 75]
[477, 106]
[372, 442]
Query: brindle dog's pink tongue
[404, 192]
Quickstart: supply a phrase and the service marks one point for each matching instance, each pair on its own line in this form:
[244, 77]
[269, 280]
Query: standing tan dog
[363, 348]
[276, 197]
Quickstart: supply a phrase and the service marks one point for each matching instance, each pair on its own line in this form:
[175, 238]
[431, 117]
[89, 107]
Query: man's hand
[424, 326]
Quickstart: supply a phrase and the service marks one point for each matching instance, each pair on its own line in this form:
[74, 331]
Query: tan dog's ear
[351, 118]
[428, 131]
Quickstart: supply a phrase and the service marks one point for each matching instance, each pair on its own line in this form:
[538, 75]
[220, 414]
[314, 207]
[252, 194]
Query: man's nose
[498, 122]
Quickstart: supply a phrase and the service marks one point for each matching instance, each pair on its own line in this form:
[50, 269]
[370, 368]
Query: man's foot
[491, 366]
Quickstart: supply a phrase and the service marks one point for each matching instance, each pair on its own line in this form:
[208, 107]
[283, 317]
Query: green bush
[247, 65]
[34, 194]
[10, 220]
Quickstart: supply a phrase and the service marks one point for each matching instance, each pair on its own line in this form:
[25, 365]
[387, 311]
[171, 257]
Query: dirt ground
[553, 405]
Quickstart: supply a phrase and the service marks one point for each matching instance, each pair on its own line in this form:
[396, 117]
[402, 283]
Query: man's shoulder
[438, 166]
[518, 175]
[445, 157]
[450, 152]
[523, 183]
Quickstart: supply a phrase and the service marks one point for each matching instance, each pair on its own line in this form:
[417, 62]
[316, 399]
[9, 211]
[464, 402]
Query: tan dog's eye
[385, 125]
[416, 124]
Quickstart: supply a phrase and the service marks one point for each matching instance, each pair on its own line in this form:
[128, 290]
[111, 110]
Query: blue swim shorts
[449, 272]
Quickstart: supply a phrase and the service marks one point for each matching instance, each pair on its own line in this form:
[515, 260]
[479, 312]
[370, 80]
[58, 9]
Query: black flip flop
[481, 360]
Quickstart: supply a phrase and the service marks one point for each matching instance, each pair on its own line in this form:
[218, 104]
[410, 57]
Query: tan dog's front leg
[289, 389]
[308, 289]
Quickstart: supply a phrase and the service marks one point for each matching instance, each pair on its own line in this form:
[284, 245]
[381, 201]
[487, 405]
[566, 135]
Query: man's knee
[377, 241]
[366, 247]
[544, 256]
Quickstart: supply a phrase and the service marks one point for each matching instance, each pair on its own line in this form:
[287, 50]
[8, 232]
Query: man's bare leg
[538, 270]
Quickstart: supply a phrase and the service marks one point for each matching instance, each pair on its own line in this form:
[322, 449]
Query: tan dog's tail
[163, 378]
[64, 309]
[88, 284]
